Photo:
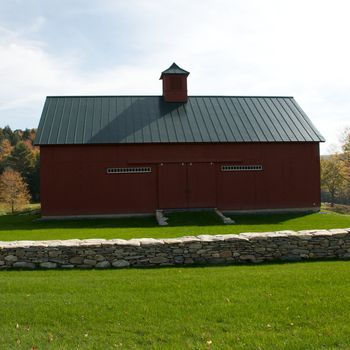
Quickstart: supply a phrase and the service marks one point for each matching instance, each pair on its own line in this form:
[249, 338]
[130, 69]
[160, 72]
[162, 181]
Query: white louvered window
[241, 167]
[137, 170]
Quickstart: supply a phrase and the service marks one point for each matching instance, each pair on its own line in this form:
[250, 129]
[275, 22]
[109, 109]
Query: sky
[294, 48]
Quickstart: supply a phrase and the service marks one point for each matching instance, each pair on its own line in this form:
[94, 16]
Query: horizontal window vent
[241, 167]
[128, 170]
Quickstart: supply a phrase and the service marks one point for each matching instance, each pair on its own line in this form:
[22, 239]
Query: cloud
[29, 74]
[251, 47]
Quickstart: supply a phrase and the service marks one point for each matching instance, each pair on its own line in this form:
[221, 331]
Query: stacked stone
[204, 249]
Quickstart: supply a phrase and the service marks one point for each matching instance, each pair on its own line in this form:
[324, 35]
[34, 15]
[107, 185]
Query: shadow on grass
[264, 264]
[180, 219]
[193, 218]
[30, 222]
[266, 219]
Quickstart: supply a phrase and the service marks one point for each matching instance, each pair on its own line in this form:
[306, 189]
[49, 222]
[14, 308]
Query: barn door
[172, 185]
[201, 185]
[186, 185]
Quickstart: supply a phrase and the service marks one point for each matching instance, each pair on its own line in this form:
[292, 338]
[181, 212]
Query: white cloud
[273, 47]
[28, 73]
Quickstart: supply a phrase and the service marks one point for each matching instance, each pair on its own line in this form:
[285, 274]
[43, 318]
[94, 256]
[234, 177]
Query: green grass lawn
[275, 306]
[4, 209]
[26, 227]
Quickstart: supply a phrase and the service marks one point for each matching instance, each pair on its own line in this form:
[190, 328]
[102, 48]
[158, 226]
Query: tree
[345, 160]
[29, 134]
[5, 149]
[26, 161]
[332, 177]
[13, 190]
[34, 178]
[2, 136]
[345, 138]
[10, 135]
[21, 159]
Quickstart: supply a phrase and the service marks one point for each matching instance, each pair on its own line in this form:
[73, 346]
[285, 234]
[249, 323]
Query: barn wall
[74, 178]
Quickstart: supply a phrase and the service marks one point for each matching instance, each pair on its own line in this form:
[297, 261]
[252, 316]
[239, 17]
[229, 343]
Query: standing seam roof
[149, 119]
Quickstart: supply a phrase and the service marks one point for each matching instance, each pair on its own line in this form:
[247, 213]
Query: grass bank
[277, 306]
[26, 227]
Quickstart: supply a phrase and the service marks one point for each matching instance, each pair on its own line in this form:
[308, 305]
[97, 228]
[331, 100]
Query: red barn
[135, 154]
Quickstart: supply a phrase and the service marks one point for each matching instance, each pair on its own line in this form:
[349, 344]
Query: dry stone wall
[205, 249]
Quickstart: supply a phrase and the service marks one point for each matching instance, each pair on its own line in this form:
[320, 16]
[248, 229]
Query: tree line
[335, 173]
[19, 167]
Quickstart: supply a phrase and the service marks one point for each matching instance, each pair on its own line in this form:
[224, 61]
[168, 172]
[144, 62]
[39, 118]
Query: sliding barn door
[172, 185]
[187, 185]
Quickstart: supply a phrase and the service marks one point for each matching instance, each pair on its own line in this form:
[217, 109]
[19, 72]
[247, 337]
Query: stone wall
[205, 249]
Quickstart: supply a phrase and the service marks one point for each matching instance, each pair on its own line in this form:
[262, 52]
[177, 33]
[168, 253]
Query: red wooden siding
[74, 178]
[201, 185]
[175, 88]
[172, 189]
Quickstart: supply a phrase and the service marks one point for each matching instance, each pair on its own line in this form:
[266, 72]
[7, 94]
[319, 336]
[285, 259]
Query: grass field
[26, 227]
[4, 209]
[276, 306]
[271, 306]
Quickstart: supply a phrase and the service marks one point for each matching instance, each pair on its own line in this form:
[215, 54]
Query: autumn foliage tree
[345, 160]
[332, 179]
[13, 190]
[18, 152]
[5, 149]
[335, 172]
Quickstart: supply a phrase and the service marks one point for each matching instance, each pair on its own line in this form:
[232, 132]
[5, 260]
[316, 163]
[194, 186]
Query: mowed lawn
[27, 227]
[272, 306]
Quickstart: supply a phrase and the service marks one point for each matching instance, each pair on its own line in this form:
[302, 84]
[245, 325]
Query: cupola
[174, 84]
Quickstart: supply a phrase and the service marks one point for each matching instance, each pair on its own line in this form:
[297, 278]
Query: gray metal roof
[149, 119]
[174, 69]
